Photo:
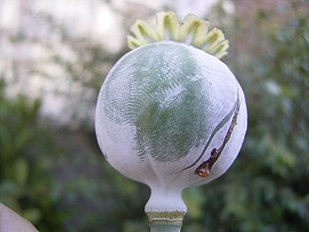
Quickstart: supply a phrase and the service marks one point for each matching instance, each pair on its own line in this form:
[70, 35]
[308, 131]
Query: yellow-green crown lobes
[192, 30]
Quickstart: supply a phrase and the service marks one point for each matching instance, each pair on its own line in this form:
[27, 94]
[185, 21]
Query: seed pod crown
[192, 30]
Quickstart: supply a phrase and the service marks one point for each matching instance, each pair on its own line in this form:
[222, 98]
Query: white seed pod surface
[171, 116]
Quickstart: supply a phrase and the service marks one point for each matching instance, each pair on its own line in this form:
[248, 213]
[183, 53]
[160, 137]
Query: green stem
[165, 221]
[165, 228]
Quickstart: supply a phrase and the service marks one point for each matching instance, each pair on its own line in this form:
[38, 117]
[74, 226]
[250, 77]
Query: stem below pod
[165, 228]
[165, 221]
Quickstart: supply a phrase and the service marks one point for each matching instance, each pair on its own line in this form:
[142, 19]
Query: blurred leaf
[131, 226]
[21, 170]
[32, 215]
[194, 199]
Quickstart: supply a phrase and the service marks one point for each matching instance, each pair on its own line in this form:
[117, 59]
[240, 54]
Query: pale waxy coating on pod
[170, 114]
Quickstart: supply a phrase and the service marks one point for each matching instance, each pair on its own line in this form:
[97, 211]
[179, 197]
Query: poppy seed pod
[170, 114]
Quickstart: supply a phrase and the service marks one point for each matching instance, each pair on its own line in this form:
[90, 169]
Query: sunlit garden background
[54, 55]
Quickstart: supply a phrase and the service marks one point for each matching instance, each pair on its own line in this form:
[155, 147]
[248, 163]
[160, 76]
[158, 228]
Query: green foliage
[25, 179]
[53, 177]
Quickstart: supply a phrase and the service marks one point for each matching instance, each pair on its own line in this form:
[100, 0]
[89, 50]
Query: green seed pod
[170, 114]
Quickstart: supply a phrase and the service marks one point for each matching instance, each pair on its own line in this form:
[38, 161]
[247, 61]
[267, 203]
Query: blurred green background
[52, 172]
